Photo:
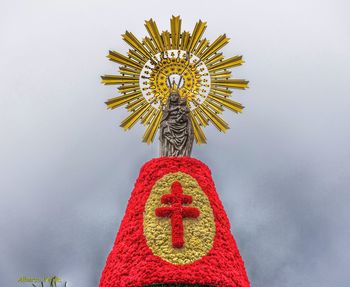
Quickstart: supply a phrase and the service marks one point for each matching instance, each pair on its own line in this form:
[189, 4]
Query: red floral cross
[177, 212]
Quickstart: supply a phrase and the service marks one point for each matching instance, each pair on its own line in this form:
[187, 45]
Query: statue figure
[176, 131]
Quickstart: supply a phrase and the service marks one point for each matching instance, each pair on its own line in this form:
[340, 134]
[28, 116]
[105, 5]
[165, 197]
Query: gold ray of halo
[129, 88]
[223, 92]
[198, 132]
[120, 59]
[127, 71]
[232, 105]
[149, 45]
[231, 83]
[134, 117]
[214, 59]
[175, 23]
[202, 120]
[136, 103]
[223, 74]
[202, 45]
[135, 43]
[215, 46]
[184, 39]
[146, 50]
[228, 63]
[117, 80]
[121, 100]
[152, 128]
[215, 107]
[203, 115]
[166, 40]
[146, 120]
[196, 34]
[135, 55]
[153, 31]
[219, 123]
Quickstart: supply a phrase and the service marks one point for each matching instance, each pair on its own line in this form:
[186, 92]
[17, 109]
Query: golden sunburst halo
[196, 65]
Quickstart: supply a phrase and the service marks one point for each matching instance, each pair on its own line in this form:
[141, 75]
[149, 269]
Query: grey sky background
[282, 170]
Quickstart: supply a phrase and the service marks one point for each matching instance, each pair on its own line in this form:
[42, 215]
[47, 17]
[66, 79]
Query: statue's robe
[176, 135]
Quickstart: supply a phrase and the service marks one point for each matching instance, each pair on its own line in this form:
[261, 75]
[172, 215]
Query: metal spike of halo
[196, 66]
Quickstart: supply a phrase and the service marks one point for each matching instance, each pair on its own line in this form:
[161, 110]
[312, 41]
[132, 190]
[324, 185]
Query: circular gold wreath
[180, 60]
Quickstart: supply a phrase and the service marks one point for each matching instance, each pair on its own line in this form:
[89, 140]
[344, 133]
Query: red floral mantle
[132, 262]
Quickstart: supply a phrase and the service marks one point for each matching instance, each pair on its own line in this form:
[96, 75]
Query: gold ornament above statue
[175, 63]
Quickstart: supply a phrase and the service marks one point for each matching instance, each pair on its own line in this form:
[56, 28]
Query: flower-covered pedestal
[175, 231]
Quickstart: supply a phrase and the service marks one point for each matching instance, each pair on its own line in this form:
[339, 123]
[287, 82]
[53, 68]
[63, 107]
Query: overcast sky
[282, 170]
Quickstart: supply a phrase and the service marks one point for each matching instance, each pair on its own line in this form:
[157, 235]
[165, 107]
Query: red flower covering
[131, 263]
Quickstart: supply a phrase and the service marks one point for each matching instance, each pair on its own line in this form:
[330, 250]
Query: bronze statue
[176, 131]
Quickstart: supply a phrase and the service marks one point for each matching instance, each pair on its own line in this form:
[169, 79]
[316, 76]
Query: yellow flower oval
[198, 233]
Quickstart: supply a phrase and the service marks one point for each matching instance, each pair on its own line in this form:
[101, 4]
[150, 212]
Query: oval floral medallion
[178, 220]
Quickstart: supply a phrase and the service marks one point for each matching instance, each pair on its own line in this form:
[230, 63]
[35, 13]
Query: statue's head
[183, 102]
[174, 98]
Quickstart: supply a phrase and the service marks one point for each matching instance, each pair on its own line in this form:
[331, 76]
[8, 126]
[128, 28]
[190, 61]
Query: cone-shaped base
[175, 232]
